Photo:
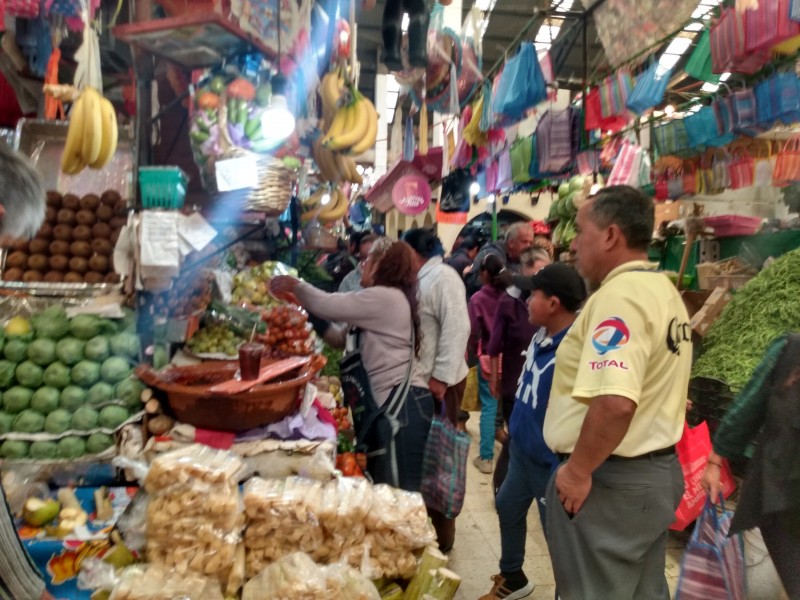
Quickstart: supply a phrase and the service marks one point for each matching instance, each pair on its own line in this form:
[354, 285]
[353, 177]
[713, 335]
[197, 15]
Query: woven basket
[274, 191]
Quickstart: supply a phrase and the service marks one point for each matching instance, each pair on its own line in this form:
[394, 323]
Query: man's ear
[612, 236]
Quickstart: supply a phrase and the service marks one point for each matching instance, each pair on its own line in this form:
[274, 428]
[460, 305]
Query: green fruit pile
[65, 384]
[252, 286]
[215, 339]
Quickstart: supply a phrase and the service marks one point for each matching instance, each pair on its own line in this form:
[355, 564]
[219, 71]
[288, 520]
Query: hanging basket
[274, 190]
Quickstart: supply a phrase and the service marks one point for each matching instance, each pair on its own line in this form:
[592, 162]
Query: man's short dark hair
[629, 209]
[468, 243]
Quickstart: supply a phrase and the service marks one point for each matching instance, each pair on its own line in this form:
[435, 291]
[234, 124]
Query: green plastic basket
[162, 187]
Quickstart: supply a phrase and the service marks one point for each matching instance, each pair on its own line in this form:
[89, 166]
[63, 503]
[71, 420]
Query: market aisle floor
[476, 552]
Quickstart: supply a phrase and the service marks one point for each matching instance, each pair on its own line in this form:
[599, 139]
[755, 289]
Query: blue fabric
[521, 86]
[650, 88]
[488, 414]
[526, 481]
[530, 403]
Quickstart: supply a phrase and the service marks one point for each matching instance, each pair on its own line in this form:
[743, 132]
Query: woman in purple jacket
[482, 310]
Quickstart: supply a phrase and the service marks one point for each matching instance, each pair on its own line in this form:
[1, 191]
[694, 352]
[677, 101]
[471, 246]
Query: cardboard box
[668, 211]
[709, 312]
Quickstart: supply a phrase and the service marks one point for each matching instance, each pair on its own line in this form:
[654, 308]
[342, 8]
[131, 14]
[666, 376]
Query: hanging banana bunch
[93, 133]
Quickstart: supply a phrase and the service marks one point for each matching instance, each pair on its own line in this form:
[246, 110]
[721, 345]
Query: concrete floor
[476, 552]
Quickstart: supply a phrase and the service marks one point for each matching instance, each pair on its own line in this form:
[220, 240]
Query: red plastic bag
[693, 450]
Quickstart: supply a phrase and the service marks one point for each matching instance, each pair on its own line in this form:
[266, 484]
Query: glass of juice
[250, 360]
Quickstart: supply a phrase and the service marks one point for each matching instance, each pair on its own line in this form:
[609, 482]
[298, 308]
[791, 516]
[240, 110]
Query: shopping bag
[699, 63]
[521, 85]
[674, 184]
[614, 92]
[650, 88]
[763, 164]
[702, 127]
[593, 115]
[720, 169]
[588, 162]
[554, 140]
[693, 449]
[521, 154]
[505, 179]
[787, 164]
[794, 10]
[671, 137]
[741, 169]
[689, 178]
[728, 50]
[769, 25]
[444, 466]
[626, 166]
[471, 400]
[713, 567]
[455, 191]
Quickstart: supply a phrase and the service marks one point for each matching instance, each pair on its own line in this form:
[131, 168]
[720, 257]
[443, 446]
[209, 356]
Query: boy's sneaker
[509, 588]
[484, 465]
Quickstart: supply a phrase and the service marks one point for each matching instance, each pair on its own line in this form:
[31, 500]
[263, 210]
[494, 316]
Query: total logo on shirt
[611, 334]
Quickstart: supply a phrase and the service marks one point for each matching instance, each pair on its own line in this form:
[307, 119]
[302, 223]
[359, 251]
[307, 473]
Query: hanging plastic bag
[593, 115]
[521, 85]
[787, 164]
[693, 449]
[699, 64]
[671, 137]
[763, 165]
[614, 92]
[728, 51]
[588, 162]
[768, 26]
[554, 140]
[455, 191]
[741, 169]
[505, 178]
[689, 177]
[713, 567]
[721, 171]
[650, 88]
[702, 127]
[521, 155]
[626, 167]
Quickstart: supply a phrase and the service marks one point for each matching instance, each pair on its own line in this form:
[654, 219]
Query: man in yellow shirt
[616, 410]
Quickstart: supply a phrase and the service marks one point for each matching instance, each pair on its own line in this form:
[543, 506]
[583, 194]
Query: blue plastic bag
[521, 85]
[649, 89]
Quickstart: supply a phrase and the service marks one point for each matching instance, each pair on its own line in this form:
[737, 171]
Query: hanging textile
[699, 64]
[650, 88]
[625, 27]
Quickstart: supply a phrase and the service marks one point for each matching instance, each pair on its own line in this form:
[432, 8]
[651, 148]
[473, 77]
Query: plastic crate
[733, 225]
[162, 187]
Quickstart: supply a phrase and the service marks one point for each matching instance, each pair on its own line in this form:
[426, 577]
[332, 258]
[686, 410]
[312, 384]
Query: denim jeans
[488, 415]
[525, 482]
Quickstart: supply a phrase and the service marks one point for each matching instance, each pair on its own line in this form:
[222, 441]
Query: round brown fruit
[59, 262]
[118, 222]
[82, 233]
[121, 207]
[66, 216]
[102, 246]
[20, 244]
[54, 277]
[110, 197]
[38, 262]
[17, 259]
[71, 201]
[63, 233]
[85, 217]
[98, 263]
[81, 250]
[38, 246]
[12, 275]
[90, 202]
[45, 232]
[73, 277]
[51, 215]
[59, 247]
[93, 277]
[78, 264]
[32, 276]
[54, 199]
[112, 278]
[104, 213]
[101, 231]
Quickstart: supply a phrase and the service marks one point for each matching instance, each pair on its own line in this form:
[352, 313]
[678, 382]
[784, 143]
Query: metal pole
[494, 220]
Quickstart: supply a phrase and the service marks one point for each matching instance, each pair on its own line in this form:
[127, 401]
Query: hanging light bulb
[277, 121]
[474, 188]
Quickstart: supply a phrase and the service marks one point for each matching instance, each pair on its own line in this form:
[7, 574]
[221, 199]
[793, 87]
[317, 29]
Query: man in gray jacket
[444, 323]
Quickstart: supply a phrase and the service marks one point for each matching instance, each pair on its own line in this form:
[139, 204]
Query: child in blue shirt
[557, 292]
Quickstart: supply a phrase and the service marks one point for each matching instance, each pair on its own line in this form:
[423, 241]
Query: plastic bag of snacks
[153, 582]
[194, 518]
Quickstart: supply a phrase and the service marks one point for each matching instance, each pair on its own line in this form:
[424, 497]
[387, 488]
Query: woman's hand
[712, 476]
[283, 286]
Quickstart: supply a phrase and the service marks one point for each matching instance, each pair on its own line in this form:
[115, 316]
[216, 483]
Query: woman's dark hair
[494, 268]
[424, 242]
[397, 269]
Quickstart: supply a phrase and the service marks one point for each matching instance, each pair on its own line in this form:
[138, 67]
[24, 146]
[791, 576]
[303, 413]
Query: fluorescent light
[668, 61]
[406, 21]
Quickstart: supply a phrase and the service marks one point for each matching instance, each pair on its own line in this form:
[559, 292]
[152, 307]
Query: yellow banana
[335, 209]
[356, 131]
[108, 145]
[368, 141]
[331, 89]
[325, 161]
[338, 124]
[93, 126]
[71, 161]
[342, 166]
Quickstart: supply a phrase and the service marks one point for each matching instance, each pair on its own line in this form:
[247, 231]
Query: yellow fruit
[71, 161]
[93, 126]
[17, 326]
